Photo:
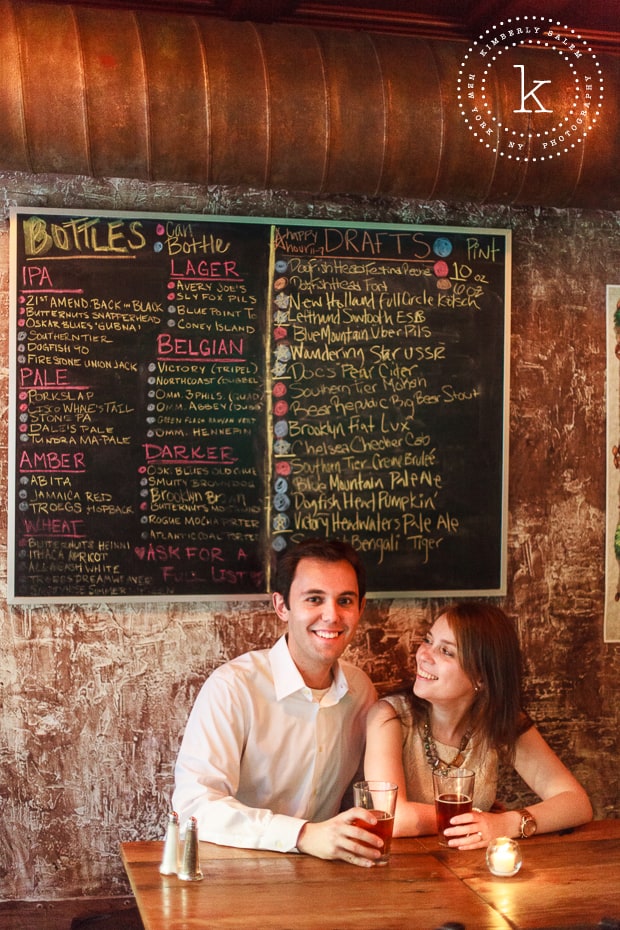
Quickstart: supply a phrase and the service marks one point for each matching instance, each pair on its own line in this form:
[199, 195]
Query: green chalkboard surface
[190, 395]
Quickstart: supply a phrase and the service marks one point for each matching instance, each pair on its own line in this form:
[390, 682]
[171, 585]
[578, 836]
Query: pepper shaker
[190, 868]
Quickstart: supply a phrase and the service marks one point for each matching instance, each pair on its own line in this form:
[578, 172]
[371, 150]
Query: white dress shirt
[260, 756]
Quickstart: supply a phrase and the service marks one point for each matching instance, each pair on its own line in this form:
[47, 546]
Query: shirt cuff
[282, 833]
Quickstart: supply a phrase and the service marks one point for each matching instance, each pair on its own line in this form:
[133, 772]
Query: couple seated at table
[276, 736]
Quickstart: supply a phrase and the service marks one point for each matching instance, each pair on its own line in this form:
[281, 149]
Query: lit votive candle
[504, 857]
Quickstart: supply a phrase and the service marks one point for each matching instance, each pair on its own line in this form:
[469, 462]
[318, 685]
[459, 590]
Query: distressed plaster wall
[94, 699]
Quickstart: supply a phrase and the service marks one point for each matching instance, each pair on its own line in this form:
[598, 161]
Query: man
[276, 735]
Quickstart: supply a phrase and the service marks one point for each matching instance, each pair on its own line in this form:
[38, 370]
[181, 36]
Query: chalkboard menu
[190, 395]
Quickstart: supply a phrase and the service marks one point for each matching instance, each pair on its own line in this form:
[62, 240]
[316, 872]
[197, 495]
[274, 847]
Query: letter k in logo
[530, 93]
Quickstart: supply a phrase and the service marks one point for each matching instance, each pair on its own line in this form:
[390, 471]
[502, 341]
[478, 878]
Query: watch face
[528, 826]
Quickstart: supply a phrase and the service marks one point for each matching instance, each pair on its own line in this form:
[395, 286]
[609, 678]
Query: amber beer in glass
[454, 794]
[378, 797]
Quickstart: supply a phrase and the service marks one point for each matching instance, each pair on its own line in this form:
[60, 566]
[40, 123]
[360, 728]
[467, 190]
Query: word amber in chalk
[504, 857]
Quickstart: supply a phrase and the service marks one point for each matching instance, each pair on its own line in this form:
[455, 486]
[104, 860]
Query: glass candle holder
[504, 857]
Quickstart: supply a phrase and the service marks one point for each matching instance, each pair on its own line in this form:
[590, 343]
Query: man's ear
[279, 606]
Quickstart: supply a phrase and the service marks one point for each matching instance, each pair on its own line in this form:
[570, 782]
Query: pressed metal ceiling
[597, 21]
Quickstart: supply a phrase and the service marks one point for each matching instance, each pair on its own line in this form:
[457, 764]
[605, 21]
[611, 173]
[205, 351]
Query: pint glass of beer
[454, 794]
[379, 797]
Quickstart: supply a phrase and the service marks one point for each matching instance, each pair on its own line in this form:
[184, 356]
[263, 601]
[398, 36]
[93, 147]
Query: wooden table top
[566, 881]
[569, 880]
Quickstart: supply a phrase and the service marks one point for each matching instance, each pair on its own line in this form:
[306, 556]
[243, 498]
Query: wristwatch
[528, 825]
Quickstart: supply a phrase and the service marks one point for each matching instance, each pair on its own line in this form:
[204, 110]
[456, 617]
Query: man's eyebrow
[351, 593]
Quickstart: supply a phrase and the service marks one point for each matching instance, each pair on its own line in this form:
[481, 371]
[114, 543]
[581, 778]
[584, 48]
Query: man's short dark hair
[324, 550]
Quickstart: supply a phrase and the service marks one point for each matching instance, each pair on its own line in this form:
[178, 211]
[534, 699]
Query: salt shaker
[170, 859]
[190, 868]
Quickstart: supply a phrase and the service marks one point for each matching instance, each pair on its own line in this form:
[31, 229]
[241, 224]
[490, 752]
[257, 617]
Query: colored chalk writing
[190, 395]
[389, 419]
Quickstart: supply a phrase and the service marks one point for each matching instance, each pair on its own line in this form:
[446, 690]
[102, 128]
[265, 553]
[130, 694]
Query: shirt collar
[287, 677]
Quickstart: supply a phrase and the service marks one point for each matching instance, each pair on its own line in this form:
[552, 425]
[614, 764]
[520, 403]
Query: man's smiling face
[322, 616]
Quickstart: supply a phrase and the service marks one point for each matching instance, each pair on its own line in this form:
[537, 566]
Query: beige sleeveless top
[418, 773]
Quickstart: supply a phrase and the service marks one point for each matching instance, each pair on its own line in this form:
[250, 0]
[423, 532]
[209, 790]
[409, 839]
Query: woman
[465, 711]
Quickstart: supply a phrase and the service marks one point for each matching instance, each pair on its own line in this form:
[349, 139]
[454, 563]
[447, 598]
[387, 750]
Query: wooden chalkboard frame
[374, 257]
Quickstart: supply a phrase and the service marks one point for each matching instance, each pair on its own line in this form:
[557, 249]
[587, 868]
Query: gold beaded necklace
[432, 756]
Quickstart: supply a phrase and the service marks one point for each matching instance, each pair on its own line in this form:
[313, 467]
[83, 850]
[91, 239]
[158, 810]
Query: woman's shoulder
[524, 723]
[398, 704]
